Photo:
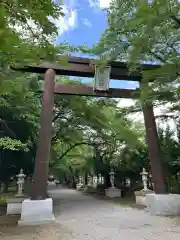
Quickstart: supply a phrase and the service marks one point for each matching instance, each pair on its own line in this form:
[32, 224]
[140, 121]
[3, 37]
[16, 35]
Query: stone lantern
[112, 192]
[112, 178]
[80, 184]
[89, 180]
[141, 195]
[144, 175]
[20, 182]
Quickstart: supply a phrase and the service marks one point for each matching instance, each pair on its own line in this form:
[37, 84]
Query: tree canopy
[89, 135]
[145, 32]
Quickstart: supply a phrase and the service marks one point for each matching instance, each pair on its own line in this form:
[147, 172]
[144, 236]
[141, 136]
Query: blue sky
[84, 22]
[89, 21]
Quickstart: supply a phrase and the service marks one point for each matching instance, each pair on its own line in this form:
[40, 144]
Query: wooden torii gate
[82, 67]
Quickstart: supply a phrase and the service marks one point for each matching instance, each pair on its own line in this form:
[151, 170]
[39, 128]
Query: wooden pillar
[160, 186]
[39, 186]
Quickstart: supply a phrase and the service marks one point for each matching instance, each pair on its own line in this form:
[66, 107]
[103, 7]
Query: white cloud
[104, 3]
[99, 3]
[126, 102]
[67, 22]
[94, 3]
[63, 24]
[87, 22]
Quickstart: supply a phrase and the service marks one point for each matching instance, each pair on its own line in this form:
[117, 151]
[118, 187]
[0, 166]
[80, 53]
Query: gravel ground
[48, 232]
[82, 217]
[89, 218]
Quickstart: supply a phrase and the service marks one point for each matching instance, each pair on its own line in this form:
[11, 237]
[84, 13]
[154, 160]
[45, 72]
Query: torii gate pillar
[155, 156]
[39, 209]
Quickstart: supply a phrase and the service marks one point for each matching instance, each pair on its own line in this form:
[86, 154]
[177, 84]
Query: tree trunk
[107, 180]
[73, 182]
[86, 179]
[1, 187]
[6, 186]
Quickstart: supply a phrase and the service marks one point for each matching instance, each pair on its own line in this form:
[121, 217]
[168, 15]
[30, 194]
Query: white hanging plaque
[102, 78]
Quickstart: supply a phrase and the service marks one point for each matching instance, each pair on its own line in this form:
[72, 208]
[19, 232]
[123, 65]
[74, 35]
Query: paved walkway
[88, 218]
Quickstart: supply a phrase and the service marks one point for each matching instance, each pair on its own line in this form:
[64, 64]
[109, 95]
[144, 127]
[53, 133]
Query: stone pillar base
[36, 212]
[90, 189]
[14, 206]
[140, 197]
[86, 188]
[163, 204]
[80, 187]
[113, 192]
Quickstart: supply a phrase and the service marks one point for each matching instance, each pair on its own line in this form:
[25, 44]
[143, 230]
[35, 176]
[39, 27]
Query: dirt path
[89, 218]
[82, 217]
[10, 231]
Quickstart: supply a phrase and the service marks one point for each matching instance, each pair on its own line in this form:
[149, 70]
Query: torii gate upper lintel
[82, 67]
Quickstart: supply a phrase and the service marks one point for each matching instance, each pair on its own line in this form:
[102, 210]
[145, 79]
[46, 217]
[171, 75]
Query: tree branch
[75, 145]
[175, 19]
[12, 134]
[57, 116]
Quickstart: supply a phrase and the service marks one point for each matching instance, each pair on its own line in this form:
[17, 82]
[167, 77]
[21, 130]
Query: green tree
[145, 32]
[27, 28]
[26, 32]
